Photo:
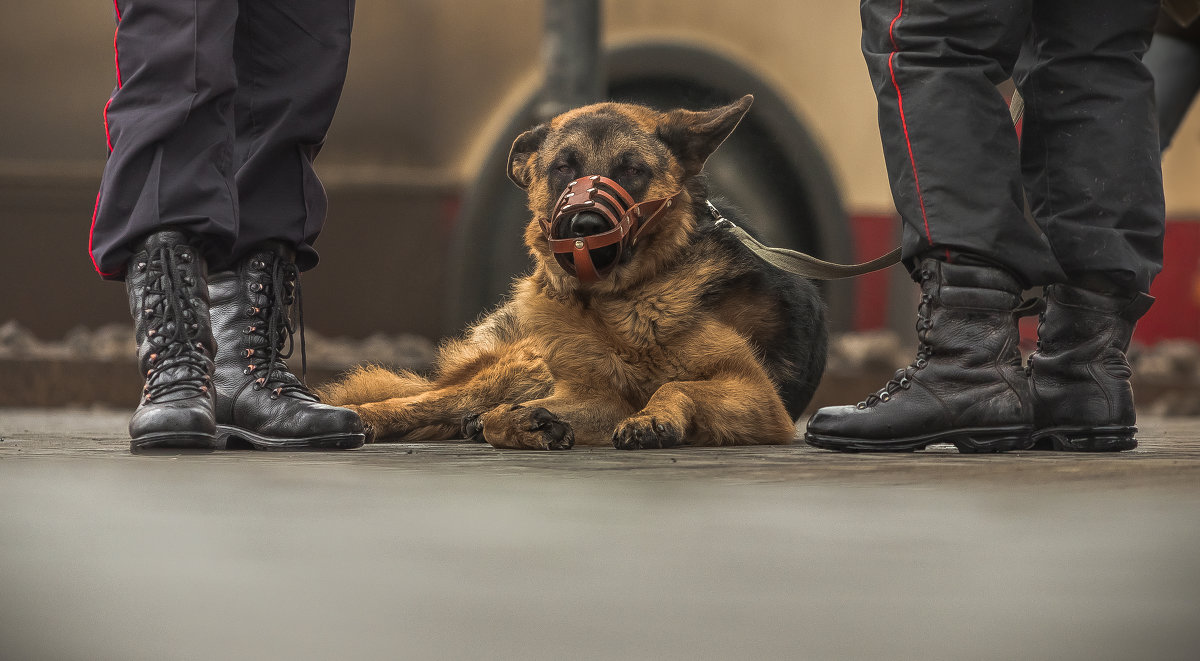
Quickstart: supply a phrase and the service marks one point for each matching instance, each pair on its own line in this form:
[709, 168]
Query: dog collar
[607, 199]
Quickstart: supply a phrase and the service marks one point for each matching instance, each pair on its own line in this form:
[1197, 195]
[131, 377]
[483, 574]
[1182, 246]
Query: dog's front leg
[554, 423]
[439, 414]
[735, 410]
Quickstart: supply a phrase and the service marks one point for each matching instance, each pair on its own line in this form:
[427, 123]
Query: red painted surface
[1176, 313]
[874, 235]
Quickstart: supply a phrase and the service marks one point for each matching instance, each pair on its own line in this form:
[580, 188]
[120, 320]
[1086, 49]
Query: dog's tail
[372, 383]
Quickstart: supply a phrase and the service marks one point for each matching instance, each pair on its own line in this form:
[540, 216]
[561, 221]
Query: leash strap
[798, 263]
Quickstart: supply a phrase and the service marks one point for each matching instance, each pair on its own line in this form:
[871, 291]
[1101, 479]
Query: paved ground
[460, 551]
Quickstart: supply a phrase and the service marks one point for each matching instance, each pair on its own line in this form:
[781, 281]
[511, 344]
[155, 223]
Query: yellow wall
[809, 50]
[1181, 165]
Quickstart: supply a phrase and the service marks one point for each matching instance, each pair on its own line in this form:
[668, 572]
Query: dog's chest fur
[631, 344]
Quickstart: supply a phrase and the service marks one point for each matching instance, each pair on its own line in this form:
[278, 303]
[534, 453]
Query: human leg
[953, 164]
[166, 199]
[1090, 149]
[1091, 161]
[291, 63]
[951, 151]
[169, 127]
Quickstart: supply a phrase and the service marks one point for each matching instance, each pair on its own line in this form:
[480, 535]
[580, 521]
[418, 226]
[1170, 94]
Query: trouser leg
[951, 151]
[291, 63]
[169, 127]
[1090, 148]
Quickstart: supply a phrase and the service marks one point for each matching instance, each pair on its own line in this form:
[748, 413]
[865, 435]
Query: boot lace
[1031, 307]
[278, 282]
[902, 379]
[178, 362]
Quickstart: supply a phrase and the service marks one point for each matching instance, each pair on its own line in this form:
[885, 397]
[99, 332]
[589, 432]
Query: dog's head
[610, 189]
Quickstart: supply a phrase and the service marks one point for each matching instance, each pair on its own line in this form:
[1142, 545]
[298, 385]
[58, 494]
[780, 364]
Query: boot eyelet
[905, 383]
[921, 362]
[884, 396]
[860, 406]
[141, 267]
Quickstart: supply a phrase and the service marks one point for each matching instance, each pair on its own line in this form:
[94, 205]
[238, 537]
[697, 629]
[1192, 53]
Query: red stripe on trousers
[107, 141]
[904, 123]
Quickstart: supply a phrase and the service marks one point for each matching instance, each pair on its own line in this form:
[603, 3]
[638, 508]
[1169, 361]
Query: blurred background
[424, 229]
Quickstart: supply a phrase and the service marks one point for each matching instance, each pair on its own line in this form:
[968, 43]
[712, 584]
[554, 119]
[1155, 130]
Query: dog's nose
[587, 224]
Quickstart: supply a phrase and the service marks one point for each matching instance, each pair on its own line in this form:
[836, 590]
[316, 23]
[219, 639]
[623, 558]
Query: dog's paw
[472, 427]
[523, 428]
[643, 432]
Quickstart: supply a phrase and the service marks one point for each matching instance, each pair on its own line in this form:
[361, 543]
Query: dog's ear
[694, 136]
[525, 146]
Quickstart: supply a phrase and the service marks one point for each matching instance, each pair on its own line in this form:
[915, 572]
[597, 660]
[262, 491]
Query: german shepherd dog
[644, 324]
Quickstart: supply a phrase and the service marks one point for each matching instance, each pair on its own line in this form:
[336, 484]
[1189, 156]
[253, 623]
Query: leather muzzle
[615, 206]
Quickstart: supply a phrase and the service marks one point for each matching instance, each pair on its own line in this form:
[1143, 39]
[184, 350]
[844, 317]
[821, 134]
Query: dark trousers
[1088, 158]
[220, 108]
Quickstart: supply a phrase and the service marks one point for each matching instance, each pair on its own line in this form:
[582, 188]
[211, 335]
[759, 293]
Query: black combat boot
[169, 303]
[259, 401]
[1079, 374]
[966, 386]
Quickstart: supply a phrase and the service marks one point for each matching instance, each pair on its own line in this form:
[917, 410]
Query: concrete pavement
[457, 550]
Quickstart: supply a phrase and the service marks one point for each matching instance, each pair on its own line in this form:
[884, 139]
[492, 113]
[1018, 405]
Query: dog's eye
[630, 170]
[565, 169]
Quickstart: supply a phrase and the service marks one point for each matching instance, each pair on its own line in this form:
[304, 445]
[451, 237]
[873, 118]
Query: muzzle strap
[606, 198]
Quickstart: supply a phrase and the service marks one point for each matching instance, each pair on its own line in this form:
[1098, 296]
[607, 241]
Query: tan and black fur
[691, 340]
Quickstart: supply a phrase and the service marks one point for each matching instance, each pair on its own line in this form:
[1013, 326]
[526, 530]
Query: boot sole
[1085, 439]
[968, 441]
[172, 441]
[233, 438]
